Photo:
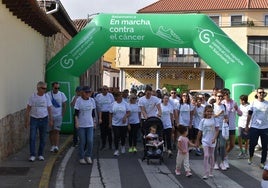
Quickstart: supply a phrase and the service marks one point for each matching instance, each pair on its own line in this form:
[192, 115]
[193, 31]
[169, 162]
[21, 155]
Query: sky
[82, 8]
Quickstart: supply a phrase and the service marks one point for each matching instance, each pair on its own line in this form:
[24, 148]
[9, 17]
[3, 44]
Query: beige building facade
[247, 27]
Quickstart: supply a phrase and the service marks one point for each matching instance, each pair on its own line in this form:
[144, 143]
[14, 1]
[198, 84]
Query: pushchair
[151, 150]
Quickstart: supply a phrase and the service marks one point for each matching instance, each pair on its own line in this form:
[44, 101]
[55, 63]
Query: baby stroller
[153, 150]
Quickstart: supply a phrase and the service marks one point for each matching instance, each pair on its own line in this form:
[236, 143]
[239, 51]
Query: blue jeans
[86, 135]
[220, 148]
[38, 124]
[253, 141]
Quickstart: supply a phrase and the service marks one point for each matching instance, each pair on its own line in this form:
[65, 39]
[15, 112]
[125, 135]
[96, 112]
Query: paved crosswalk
[108, 172]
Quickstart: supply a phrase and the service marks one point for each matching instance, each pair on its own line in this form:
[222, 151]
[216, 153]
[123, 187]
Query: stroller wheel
[148, 161]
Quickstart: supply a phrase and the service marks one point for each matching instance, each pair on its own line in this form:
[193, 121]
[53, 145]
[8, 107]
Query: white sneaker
[32, 159]
[88, 159]
[82, 161]
[116, 153]
[52, 148]
[41, 158]
[56, 149]
[222, 166]
[216, 166]
[226, 163]
[123, 149]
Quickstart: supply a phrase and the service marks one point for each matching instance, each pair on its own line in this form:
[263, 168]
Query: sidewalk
[16, 171]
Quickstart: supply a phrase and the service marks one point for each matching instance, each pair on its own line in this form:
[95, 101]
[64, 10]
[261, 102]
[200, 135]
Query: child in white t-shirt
[209, 131]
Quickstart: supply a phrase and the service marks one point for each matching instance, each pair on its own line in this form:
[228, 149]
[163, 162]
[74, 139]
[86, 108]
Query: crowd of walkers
[188, 120]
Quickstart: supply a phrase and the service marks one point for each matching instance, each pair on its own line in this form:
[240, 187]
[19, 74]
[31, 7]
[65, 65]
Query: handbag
[54, 102]
[225, 131]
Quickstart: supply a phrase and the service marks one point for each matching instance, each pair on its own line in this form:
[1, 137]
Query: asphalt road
[128, 170]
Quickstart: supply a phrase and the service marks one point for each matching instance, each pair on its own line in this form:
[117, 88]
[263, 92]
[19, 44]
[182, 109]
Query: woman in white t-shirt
[167, 118]
[134, 122]
[83, 107]
[185, 111]
[209, 131]
[220, 117]
[118, 120]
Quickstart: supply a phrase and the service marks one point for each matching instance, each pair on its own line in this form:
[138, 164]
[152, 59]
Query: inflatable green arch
[197, 31]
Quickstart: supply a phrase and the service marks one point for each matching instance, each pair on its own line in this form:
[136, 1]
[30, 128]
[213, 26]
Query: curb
[45, 178]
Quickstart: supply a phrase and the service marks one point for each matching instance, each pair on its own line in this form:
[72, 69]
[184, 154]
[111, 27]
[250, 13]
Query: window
[258, 49]
[135, 57]
[164, 52]
[236, 20]
[266, 20]
[180, 52]
[216, 19]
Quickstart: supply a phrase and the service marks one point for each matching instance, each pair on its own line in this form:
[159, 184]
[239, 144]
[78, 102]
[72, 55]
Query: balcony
[179, 61]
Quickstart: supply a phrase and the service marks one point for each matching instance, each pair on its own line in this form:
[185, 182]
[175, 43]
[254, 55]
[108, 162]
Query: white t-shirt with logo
[119, 110]
[60, 98]
[167, 111]
[134, 117]
[259, 119]
[198, 115]
[149, 105]
[104, 102]
[208, 128]
[39, 105]
[242, 120]
[217, 109]
[185, 110]
[85, 108]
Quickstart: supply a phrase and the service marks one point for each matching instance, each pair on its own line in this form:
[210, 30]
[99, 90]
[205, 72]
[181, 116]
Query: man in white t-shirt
[150, 105]
[38, 115]
[58, 100]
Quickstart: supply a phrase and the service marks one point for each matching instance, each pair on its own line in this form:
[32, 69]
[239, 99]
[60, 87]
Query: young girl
[209, 131]
[183, 153]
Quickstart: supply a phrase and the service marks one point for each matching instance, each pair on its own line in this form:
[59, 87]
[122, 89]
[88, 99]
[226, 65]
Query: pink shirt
[184, 143]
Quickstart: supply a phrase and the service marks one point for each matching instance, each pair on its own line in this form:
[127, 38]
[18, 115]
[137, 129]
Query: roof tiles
[203, 5]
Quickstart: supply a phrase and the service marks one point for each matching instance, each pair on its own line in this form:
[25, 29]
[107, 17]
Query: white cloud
[82, 8]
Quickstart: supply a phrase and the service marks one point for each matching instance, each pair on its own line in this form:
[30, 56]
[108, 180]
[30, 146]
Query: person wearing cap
[84, 122]
[104, 102]
[58, 100]
[78, 92]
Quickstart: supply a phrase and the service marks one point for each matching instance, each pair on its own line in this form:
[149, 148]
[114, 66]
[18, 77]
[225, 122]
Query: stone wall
[13, 135]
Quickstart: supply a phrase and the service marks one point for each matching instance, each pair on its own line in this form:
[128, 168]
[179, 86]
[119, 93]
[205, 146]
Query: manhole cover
[16, 171]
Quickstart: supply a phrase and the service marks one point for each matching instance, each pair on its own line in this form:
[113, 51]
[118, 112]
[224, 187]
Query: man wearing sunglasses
[258, 121]
[38, 116]
[58, 100]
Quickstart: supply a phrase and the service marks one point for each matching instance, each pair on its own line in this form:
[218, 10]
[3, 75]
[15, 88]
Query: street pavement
[125, 171]
[128, 170]
[17, 172]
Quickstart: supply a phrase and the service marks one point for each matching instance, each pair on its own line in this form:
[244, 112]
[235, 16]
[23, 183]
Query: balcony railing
[183, 61]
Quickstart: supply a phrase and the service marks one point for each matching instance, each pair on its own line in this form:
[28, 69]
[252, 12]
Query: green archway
[240, 73]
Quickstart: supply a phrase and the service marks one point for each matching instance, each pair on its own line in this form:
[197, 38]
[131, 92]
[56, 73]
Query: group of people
[187, 121]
